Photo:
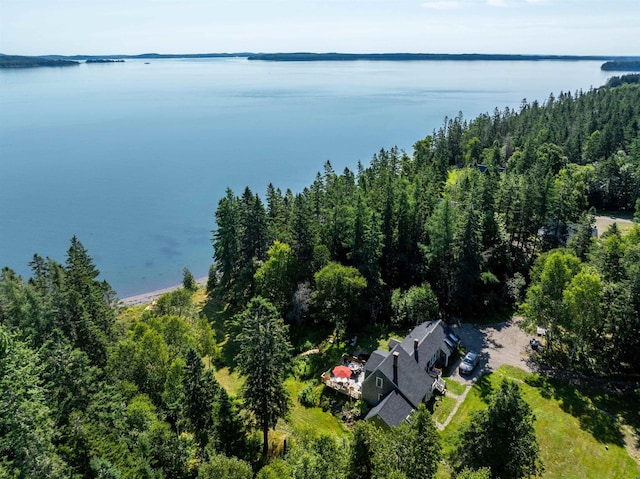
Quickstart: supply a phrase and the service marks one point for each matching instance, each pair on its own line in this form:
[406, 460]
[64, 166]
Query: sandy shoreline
[146, 298]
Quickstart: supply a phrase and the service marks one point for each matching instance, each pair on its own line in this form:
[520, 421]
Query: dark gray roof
[431, 336]
[375, 359]
[411, 380]
[392, 410]
[393, 342]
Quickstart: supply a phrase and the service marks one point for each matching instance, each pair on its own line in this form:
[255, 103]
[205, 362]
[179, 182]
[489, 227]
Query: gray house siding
[371, 393]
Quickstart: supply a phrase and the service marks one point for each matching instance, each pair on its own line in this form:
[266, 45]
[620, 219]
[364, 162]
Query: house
[397, 381]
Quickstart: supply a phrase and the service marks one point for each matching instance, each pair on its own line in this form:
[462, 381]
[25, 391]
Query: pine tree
[87, 319]
[226, 238]
[229, 429]
[200, 388]
[502, 437]
[264, 352]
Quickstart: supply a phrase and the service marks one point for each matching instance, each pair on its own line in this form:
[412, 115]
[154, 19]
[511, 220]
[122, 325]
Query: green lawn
[231, 381]
[313, 419]
[604, 222]
[577, 439]
[442, 408]
[455, 387]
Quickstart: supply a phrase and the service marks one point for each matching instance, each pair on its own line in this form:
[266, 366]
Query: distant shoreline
[146, 298]
[310, 57]
[337, 56]
[611, 62]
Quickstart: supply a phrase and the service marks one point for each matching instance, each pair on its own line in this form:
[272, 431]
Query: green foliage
[413, 448]
[26, 426]
[221, 467]
[175, 303]
[276, 469]
[361, 454]
[338, 297]
[276, 278]
[229, 428]
[200, 389]
[320, 457]
[262, 358]
[482, 473]
[188, 281]
[414, 306]
[501, 438]
[88, 319]
[309, 395]
[103, 469]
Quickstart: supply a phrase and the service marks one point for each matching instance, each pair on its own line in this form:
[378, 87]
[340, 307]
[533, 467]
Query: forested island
[15, 61]
[485, 219]
[104, 60]
[624, 66]
[308, 57]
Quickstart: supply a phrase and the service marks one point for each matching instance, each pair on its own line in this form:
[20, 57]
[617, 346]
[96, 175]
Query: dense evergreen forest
[485, 218]
[452, 231]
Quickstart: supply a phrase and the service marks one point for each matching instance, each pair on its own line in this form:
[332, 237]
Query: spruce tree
[263, 357]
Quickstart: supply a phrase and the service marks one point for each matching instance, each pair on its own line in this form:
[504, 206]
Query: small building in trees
[398, 380]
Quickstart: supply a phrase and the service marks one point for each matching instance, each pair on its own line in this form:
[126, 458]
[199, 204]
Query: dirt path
[459, 400]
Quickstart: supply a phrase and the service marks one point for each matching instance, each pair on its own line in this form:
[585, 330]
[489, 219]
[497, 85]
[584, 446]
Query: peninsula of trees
[622, 66]
[485, 217]
[14, 61]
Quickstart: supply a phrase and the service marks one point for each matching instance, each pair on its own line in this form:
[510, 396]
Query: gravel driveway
[498, 344]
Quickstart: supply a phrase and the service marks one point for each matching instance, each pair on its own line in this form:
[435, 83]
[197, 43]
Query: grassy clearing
[442, 408]
[605, 221]
[578, 435]
[454, 387]
[229, 380]
[302, 419]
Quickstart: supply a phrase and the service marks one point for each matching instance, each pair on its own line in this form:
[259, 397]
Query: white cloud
[442, 5]
[497, 3]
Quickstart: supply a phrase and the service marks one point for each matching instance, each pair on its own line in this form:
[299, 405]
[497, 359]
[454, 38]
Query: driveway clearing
[497, 344]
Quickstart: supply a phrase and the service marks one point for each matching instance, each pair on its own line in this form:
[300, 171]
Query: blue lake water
[133, 157]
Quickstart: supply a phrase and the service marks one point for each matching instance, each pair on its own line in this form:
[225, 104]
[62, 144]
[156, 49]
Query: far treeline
[458, 229]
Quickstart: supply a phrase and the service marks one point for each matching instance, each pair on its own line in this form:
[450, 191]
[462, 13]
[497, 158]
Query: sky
[100, 27]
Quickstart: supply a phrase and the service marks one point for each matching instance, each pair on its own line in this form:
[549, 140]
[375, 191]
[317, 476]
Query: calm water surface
[133, 157]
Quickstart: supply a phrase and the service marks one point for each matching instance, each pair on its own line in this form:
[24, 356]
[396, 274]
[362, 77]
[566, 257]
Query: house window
[379, 397]
[433, 359]
[379, 383]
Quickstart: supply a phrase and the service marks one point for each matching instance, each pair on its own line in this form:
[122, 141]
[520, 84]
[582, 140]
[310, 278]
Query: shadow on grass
[485, 387]
[594, 410]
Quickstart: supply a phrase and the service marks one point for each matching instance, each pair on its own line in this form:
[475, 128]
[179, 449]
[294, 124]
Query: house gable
[391, 411]
[400, 378]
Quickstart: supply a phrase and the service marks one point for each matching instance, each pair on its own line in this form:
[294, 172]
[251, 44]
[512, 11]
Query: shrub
[309, 396]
